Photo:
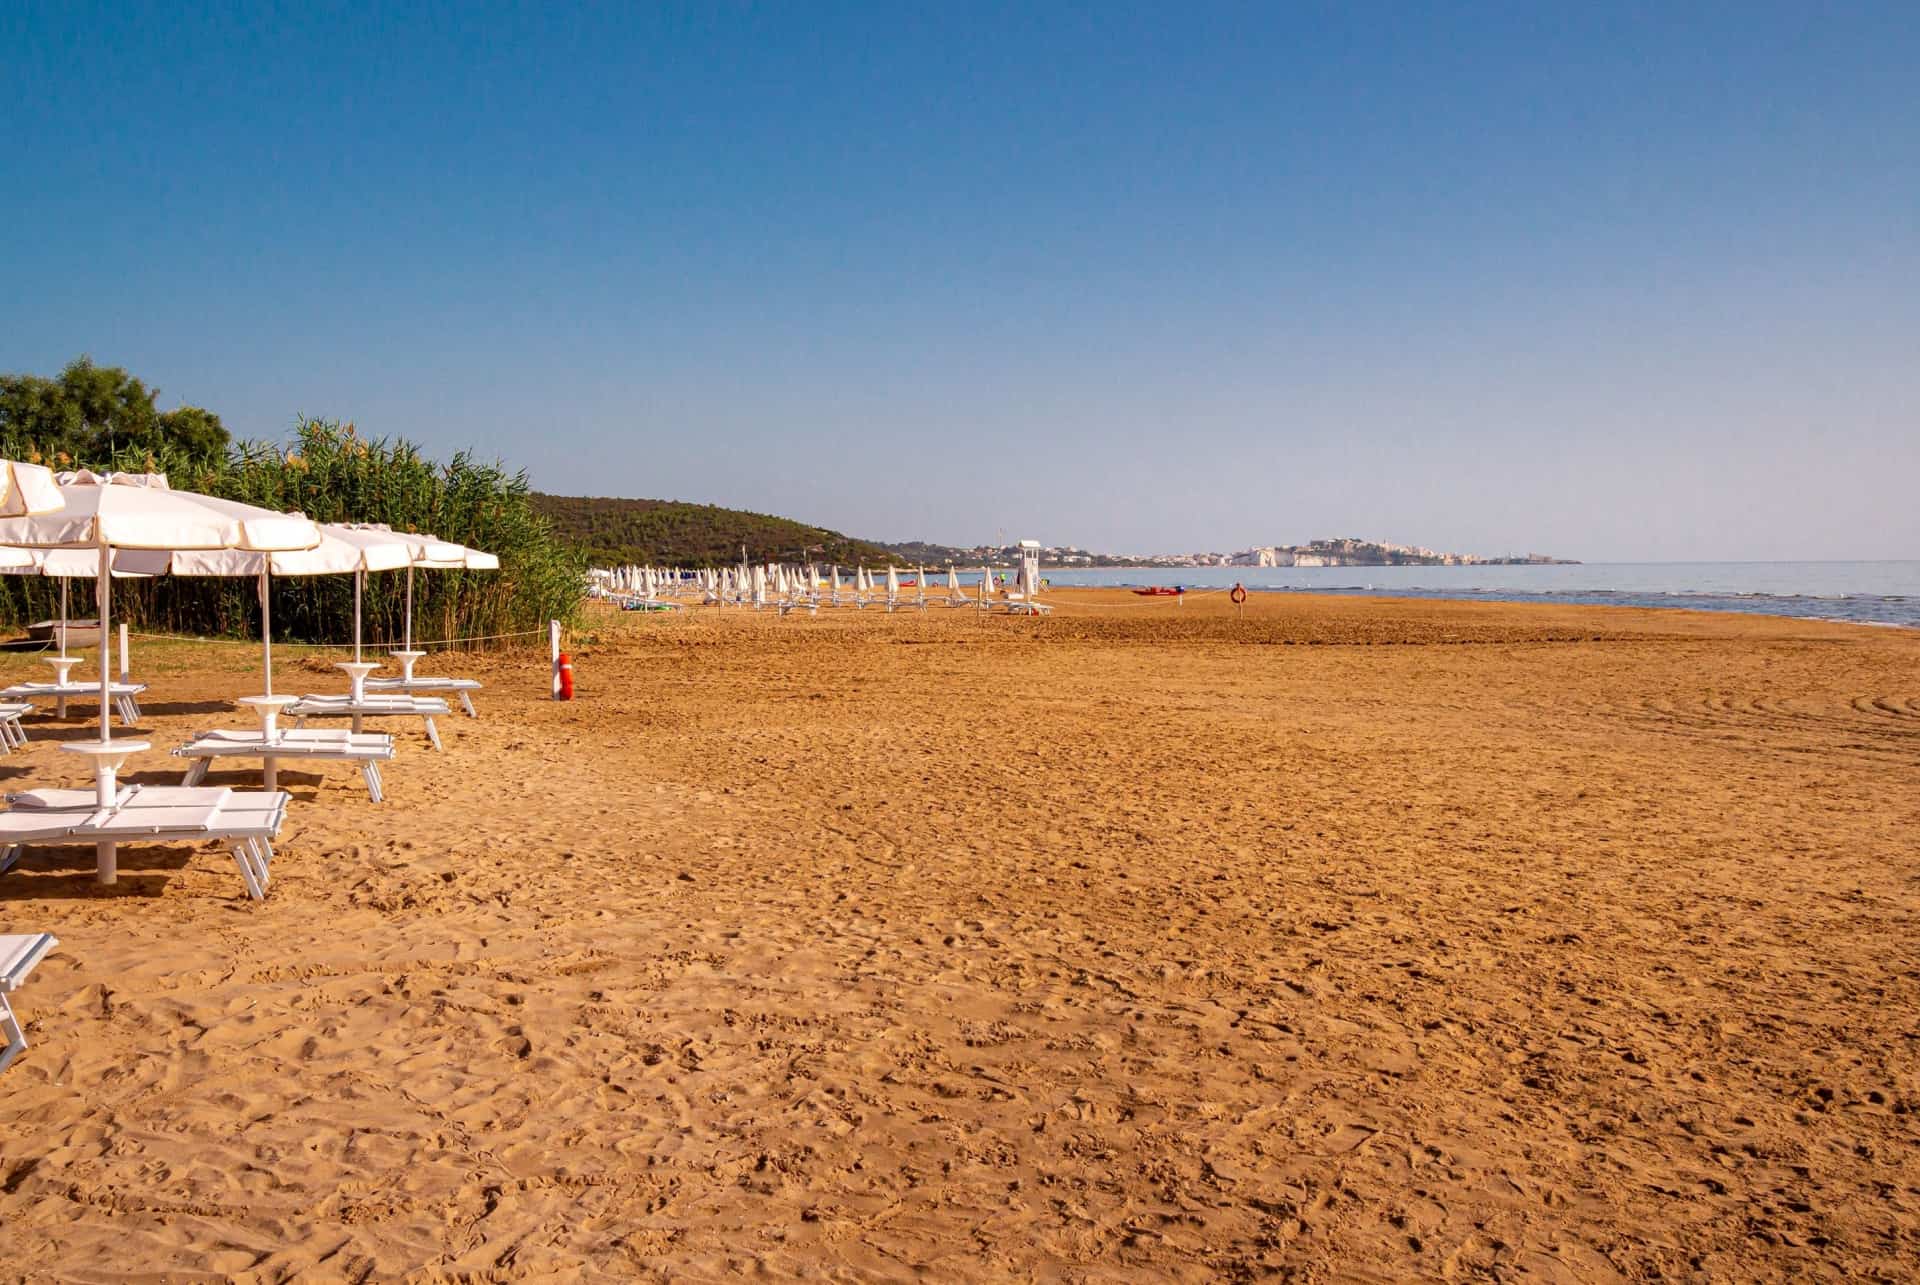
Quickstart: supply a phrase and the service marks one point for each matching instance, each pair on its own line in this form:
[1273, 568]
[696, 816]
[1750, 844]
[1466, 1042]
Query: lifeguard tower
[1024, 598]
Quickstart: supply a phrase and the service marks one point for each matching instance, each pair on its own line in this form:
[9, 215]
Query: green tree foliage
[103, 414]
[670, 532]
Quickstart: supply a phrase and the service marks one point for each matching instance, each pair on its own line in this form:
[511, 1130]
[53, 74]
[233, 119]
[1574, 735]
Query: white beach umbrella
[953, 581]
[342, 550]
[140, 512]
[893, 584]
[433, 554]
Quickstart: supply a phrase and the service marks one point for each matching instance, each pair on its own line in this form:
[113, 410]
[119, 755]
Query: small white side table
[268, 708]
[107, 757]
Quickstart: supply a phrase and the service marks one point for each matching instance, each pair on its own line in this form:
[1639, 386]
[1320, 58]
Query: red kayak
[1160, 591]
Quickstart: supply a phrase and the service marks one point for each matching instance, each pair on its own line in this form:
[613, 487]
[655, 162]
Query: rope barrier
[337, 646]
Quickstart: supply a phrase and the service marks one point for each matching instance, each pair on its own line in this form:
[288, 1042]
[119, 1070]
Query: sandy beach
[1348, 939]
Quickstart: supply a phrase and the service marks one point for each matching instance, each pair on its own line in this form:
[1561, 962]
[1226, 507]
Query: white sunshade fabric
[111, 512]
[341, 551]
[440, 555]
[334, 555]
[140, 511]
[27, 489]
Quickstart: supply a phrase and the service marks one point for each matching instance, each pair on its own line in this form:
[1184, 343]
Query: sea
[1873, 593]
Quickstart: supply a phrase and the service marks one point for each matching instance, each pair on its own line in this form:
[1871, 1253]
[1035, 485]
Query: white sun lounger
[425, 708]
[13, 734]
[442, 687]
[367, 749]
[19, 952]
[1018, 606]
[246, 821]
[125, 696]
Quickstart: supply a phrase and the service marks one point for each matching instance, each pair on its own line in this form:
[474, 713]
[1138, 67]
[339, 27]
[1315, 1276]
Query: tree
[101, 416]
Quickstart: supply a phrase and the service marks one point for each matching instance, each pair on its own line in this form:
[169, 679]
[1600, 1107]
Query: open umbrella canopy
[27, 489]
[341, 550]
[140, 511]
[433, 552]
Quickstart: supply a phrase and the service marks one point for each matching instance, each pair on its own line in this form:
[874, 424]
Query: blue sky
[1608, 281]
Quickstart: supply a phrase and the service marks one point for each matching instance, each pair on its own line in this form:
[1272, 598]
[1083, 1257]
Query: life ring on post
[1239, 594]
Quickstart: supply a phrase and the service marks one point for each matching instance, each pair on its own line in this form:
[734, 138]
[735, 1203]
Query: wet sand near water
[1343, 939]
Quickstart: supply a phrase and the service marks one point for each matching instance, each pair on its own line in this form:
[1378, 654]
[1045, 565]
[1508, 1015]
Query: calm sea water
[1885, 593]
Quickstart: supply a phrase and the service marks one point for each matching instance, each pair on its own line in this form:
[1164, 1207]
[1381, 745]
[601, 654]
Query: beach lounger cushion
[246, 821]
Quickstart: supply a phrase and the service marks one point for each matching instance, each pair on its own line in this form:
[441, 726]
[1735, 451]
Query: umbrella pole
[105, 594]
[359, 578]
[408, 646]
[63, 618]
[266, 631]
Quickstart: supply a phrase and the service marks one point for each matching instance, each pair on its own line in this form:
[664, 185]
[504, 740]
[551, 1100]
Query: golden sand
[1354, 938]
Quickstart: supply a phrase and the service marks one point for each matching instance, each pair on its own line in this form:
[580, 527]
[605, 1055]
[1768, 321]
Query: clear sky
[1607, 281]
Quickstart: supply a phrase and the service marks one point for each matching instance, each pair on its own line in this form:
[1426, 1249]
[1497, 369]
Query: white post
[266, 631]
[105, 596]
[125, 669]
[408, 645]
[359, 578]
[63, 615]
[553, 647]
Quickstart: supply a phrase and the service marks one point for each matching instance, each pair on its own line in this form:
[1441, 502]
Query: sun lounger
[19, 952]
[13, 734]
[246, 821]
[425, 708]
[124, 696]
[367, 749]
[442, 687]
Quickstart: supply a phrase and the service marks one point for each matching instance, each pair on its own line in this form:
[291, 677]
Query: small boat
[80, 633]
[1160, 591]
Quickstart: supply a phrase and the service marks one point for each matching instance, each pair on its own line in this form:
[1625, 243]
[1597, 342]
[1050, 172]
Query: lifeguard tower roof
[1030, 544]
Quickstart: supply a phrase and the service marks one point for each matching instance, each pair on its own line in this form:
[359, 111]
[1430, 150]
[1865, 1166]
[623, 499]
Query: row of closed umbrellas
[99, 526]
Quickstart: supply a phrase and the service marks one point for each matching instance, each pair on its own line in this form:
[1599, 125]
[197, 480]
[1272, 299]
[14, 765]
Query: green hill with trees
[615, 532]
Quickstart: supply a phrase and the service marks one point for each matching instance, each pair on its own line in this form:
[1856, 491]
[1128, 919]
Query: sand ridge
[1348, 938]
